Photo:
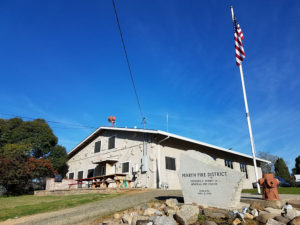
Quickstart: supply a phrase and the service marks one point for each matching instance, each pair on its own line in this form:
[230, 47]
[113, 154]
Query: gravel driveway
[82, 214]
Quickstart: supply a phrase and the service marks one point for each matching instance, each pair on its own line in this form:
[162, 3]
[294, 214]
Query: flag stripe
[238, 37]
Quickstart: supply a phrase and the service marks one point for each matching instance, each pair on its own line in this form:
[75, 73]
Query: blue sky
[63, 61]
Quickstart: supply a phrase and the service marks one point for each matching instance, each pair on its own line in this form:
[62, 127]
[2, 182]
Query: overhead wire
[51, 121]
[128, 64]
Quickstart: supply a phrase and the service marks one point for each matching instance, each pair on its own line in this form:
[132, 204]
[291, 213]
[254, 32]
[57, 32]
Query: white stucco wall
[129, 148]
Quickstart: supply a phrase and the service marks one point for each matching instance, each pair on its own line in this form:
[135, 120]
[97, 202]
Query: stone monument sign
[206, 182]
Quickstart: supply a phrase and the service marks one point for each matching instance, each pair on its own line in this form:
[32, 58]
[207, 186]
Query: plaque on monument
[206, 182]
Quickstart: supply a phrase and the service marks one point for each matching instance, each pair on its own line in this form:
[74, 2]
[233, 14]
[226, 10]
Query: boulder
[248, 216]
[188, 214]
[290, 214]
[273, 211]
[256, 205]
[109, 222]
[263, 218]
[262, 212]
[169, 211]
[261, 204]
[295, 221]
[171, 202]
[163, 220]
[144, 206]
[126, 218]
[135, 218]
[254, 212]
[236, 222]
[281, 219]
[158, 213]
[117, 216]
[210, 223]
[144, 222]
[150, 212]
[276, 204]
[162, 206]
[214, 213]
[274, 222]
[156, 205]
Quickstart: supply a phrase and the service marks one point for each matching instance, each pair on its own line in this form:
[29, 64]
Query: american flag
[238, 38]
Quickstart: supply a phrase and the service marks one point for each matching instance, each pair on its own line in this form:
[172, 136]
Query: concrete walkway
[82, 214]
[284, 197]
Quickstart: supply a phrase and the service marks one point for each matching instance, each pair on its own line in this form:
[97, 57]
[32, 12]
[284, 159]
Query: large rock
[281, 219]
[276, 204]
[126, 218]
[257, 205]
[263, 218]
[169, 211]
[144, 222]
[274, 222]
[172, 202]
[150, 212]
[261, 204]
[135, 218]
[254, 212]
[163, 220]
[210, 223]
[236, 222]
[295, 221]
[188, 214]
[109, 222]
[117, 216]
[273, 211]
[204, 181]
[290, 214]
[248, 216]
[214, 213]
[156, 205]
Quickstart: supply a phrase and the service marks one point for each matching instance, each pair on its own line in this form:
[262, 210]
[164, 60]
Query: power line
[128, 64]
[50, 121]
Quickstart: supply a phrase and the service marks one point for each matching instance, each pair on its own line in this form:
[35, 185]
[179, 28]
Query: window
[71, 175]
[228, 163]
[80, 175]
[243, 168]
[97, 147]
[90, 173]
[111, 142]
[125, 167]
[102, 170]
[170, 163]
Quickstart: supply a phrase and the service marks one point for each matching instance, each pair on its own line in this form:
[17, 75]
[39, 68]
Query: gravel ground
[88, 212]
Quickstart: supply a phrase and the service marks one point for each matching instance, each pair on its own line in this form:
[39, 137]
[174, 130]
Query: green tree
[296, 170]
[59, 157]
[18, 173]
[281, 170]
[28, 150]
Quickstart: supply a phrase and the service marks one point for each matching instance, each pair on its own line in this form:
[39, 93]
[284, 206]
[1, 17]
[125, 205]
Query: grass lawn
[10, 207]
[281, 190]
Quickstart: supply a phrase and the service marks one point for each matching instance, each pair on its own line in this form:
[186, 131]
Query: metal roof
[167, 134]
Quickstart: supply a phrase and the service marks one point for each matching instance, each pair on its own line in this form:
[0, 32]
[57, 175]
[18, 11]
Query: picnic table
[105, 180]
[79, 182]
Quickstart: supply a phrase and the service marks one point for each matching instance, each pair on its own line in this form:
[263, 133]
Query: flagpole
[248, 118]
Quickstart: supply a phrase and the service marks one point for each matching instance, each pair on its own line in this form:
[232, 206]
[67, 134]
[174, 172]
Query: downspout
[158, 159]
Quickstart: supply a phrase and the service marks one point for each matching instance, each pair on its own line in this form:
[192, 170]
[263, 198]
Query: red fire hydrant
[269, 185]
